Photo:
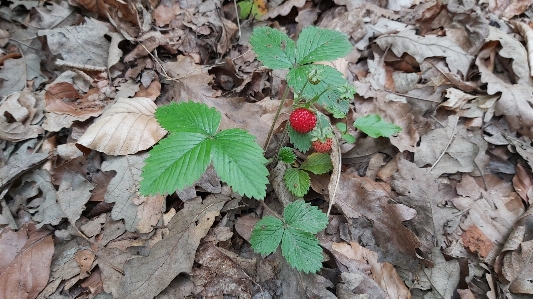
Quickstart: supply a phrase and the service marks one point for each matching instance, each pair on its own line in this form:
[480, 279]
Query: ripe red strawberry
[302, 120]
[322, 147]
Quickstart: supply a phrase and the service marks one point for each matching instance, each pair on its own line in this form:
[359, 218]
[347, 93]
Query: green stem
[283, 98]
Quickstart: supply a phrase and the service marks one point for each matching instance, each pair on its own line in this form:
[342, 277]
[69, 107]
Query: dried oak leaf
[127, 127]
[13, 75]
[219, 274]
[515, 101]
[25, 261]
[19, 114]
[420, 191]
[380, 280]
[394, 242]
[494, 211]
[122, 189]
[442, 279]
[145, 277]
[62, 98]
[515, 262]
[83, 45]
[422, 47]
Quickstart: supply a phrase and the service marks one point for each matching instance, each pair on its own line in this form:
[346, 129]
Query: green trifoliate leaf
[239, 161]
[303, 216]
[327, 88]
[317, 163]
[266, 235]
[286, 154]
[302, 142]
[188, 117]
[273, 48]
[176, 162]
[318, 44]
[297, 181]
[374, 126]
[301, 250]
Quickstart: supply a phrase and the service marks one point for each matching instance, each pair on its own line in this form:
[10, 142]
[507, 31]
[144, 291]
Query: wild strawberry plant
[195, 142]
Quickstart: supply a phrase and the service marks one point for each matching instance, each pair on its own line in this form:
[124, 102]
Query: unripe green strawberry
[302, 120]
[322, 146]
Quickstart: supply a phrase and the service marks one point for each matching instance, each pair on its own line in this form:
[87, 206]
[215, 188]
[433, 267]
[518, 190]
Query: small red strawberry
[322, 146]
[302, 120]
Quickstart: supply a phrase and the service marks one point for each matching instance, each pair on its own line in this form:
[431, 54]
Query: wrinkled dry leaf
[360, 260]
[63, 98]
[420, 191]
[19, 114]
[74, 192]
[394, 242]
[442, 279]
[67, 41]
[122, 189]
[145, 277]
[149, 212]
[14, 75]
[24, 262]
[48, 211]
[428, 46]
[127, 127]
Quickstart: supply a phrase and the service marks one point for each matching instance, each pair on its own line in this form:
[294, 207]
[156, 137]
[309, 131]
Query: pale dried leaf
[123, 187]
[513, 49]
[48, 211]
[24, 262]
[515, 102]
[420, 191]
[64, 98]
[82, 45]
[394, 242]
[18, 114]
[362, 261]
[145, 277]
[527, 33]
[127, 127]
[14, 75]
[17, 164]
[443, 277]
[149, 212]
[428, 46]
[74, 192]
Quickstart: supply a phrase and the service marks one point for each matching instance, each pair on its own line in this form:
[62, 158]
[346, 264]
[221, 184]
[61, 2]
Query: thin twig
[445, 149]
[283, 98]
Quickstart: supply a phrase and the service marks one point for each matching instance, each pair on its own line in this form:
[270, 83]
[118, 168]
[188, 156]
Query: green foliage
[374, 126]
[296, 232]
[302, 142]
[317, 163]
[276, 50]
[286, 154]
[297, 181]
[344, 133]
[180, 159]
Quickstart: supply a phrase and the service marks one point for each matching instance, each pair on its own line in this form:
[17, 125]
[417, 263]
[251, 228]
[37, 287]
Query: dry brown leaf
[476, 241]
[394, 242]
[25, 262]
[149, 212]
[145, 277]
[515, 262]
[515, 101]
[513, 49]
[428, 46]
[362, 261]
[494, 211]
[509, 8]
[522, 183]
[420, 191]
[19, 114]
[85, 259]
[63, 98]
[127, 127]
[219, 274]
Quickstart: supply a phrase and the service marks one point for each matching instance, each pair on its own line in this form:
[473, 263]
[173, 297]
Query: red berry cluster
[322, 146]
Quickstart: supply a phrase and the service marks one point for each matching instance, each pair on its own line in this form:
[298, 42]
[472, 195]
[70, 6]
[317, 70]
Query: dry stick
[445, 149]
[337, 177]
